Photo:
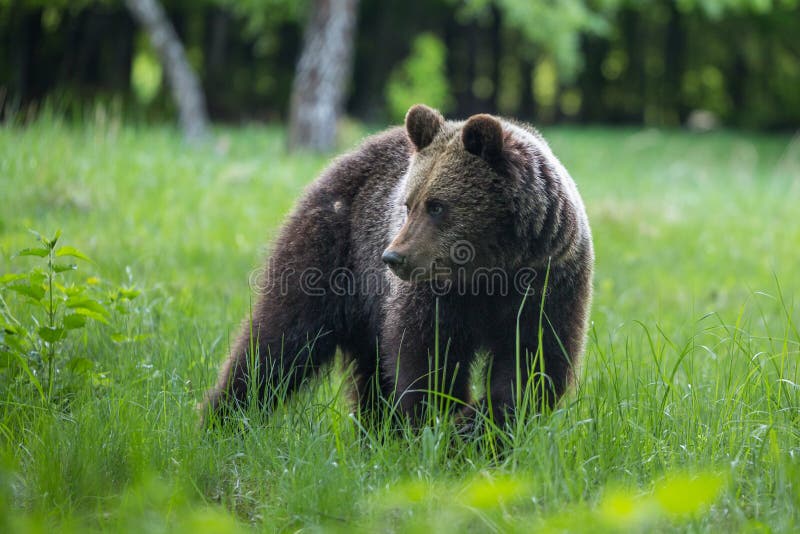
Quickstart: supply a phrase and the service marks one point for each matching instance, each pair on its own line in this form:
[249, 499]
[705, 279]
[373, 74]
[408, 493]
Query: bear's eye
[435, 209]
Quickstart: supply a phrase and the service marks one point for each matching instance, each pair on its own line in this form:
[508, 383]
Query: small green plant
[32, 337]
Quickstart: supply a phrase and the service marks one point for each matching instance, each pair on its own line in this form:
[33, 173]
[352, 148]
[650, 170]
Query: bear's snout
[397, 262]
[393, 259]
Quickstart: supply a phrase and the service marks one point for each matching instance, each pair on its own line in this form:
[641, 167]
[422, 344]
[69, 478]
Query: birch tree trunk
[322, 73]
[185, 87]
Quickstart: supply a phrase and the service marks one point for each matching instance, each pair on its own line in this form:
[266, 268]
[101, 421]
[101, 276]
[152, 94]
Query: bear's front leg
[426, 358]
[522, 371]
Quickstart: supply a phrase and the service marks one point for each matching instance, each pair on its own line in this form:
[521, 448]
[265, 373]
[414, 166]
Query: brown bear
[422, 247]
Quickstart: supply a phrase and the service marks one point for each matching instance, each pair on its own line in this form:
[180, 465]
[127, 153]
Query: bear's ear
[482, 135]
[422, 125]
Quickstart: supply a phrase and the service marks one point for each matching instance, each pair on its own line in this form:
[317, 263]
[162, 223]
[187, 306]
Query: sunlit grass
[685, 416]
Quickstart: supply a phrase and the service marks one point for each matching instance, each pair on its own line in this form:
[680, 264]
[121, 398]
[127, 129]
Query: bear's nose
[393, 259]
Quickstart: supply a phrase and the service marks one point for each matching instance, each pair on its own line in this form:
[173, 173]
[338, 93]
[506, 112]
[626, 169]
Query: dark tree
[322, 72]
[186, 90]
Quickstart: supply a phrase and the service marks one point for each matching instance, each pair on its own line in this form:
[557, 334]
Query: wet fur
[516, 205]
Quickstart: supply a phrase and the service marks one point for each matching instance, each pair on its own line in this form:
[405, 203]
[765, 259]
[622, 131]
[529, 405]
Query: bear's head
[455, 206]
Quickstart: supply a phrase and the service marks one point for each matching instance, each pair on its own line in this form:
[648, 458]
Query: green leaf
[73, 252]
[37, 277]
[10, 329]
[34, 292]
[51, 334]
[52, 242]
[91, 315]
[86, 303]
[11, 277]
[14, 337]
[80, 365]
[129, 293]
[74, 320]
[16, 343]
[100, 380]
[72, 291]
[41, 252]
[62, 267]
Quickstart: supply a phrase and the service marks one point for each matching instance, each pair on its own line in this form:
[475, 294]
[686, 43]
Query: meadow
[686, 414]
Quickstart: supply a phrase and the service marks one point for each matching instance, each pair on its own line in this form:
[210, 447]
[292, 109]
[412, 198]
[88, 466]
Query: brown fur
[487, 185]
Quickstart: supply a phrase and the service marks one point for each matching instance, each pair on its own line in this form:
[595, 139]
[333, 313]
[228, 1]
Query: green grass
[686, 415]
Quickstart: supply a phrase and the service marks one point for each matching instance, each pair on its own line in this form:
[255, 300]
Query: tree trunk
[186, 90]
[321, 77]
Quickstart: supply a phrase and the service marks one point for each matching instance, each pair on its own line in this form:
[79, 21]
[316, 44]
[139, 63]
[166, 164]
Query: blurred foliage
[651, 62]
[420, 78]
[499, 499]
[551, 28]
[146, 75]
